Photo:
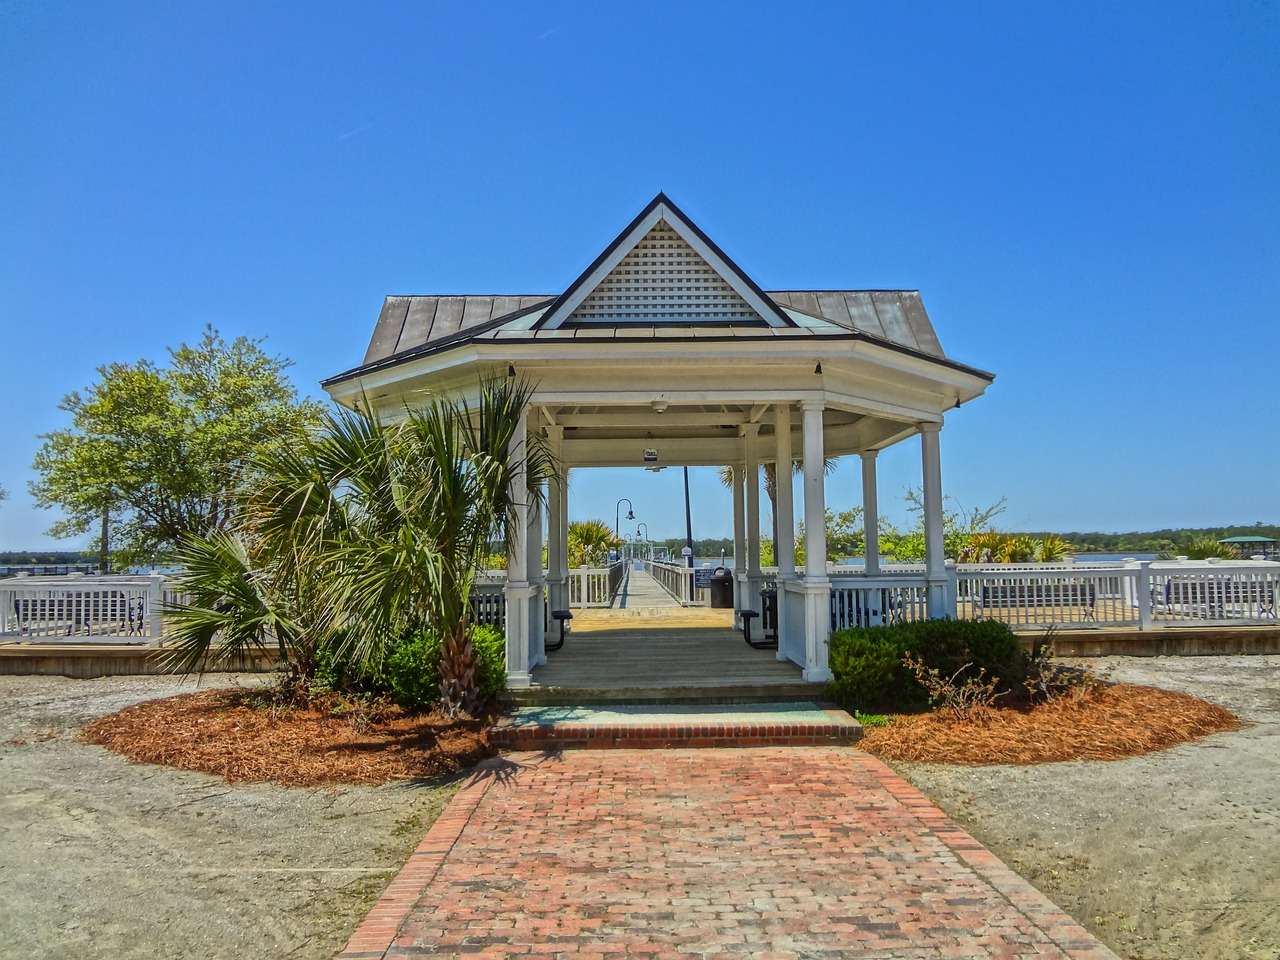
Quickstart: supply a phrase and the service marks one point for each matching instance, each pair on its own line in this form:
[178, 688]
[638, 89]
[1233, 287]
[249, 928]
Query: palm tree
[589, 542]
[362, 534]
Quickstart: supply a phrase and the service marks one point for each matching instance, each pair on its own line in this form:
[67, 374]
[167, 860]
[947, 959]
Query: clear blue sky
[1086, 195]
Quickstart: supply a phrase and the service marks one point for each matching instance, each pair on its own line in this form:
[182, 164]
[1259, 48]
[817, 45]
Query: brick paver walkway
[776, 853]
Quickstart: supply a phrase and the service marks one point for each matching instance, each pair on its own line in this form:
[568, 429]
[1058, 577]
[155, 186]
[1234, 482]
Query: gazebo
[663, 352]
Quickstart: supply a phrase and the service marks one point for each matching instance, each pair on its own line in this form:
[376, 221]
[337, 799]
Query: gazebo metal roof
[682, 288]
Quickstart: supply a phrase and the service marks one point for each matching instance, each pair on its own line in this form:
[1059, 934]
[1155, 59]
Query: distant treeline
[22, 557]
[1160, 541]
[1152, 541]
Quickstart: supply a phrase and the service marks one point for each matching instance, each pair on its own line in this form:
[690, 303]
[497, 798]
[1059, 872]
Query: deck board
[652, 657]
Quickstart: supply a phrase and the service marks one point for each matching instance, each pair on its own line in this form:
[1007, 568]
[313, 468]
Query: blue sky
[1084, 193]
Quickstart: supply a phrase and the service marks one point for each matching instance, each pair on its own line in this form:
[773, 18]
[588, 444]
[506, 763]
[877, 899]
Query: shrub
[413, 669]
[961, 698]
[1048, 680]
[867, 667]
[869, 673]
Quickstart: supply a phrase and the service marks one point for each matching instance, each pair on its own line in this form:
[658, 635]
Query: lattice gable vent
[664, 280]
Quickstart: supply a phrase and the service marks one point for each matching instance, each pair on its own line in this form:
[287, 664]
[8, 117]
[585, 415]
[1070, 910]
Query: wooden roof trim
[618, 336]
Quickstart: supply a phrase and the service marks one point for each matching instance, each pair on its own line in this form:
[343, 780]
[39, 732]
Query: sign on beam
[650, 455]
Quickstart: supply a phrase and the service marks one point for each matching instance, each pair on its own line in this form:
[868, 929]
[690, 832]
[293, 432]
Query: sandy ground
[1172, 855]
[1175, 854]
[100, 857]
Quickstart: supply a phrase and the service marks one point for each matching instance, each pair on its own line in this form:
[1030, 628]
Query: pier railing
[1143, 594]
[596, 586]
[679, 581]
[122, 608]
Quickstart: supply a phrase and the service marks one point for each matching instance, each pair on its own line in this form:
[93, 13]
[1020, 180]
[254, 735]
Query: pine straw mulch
[1106, 723]
[239, 736]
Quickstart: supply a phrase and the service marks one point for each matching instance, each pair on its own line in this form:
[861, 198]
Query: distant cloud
[359, 130]
[543, 36]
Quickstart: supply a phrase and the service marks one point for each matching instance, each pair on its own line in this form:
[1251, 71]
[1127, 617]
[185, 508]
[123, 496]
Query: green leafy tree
[958, 526]
[160, 451]
[845, 535]
[365, 533]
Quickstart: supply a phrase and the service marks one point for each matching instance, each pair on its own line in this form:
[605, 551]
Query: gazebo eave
[667, 368]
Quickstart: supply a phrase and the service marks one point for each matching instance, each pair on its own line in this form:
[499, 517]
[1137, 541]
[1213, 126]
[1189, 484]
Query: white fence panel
[877, 601]
[595, 586]
[1044, 597]
[122, 607]
[678, 580]
[1214, 592]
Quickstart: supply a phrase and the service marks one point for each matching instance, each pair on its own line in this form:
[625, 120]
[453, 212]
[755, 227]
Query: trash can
[722, 589]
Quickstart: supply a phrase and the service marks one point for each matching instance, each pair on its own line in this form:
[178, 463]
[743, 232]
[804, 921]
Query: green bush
[866, 664]
[413, 669]
[869, 673]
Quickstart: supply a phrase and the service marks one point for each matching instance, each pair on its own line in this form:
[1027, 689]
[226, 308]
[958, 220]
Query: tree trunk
[459, 692]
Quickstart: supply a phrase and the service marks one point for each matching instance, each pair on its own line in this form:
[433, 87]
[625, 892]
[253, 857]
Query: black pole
[688, 518]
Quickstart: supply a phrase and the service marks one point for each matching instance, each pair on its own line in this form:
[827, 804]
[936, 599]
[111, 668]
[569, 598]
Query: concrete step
[747, 691]
[659, 726]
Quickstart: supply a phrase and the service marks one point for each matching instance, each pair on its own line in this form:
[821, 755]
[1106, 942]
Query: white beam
[935, 571]
[784, 549]
[870, 512]
[518, 592]
[739, 538]
[751, 470]
[815, 506]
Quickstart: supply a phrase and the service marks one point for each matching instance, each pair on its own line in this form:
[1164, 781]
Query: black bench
[763, 644]
[560, 616]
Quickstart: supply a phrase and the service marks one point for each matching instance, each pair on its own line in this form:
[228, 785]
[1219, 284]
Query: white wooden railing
[877, 601]
[680, 581]
[596, 586]
[124, 607]
[1142, 594]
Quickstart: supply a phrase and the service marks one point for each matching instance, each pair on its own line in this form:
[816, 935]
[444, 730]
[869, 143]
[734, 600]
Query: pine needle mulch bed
[1108, 723]
[232, 734]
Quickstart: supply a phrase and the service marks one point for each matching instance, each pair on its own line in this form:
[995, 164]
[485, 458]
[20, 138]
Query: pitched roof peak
[663, 269]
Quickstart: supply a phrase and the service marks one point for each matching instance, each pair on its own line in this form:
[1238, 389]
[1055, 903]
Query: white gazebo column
[817, 586]
[784, 549]
[557, 538]
[870, 513]
[739, 540]
[518, 590]
[563, 575]
[537, 584]
[784, 544]
[751, 474]
[935, 570]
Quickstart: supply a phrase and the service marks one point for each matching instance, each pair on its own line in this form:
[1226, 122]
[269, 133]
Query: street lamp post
[645, 541]
[617, 509]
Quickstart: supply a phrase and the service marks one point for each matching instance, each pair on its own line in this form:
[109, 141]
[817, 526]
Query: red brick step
[675, 725]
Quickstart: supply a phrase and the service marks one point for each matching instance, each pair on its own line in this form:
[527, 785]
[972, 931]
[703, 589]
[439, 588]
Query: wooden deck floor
[663, 662]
